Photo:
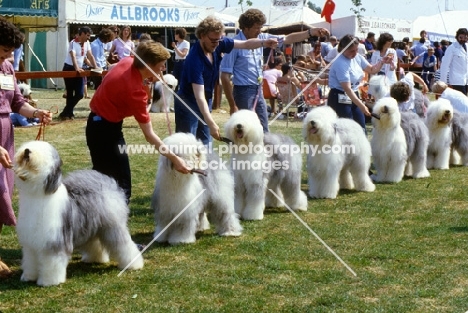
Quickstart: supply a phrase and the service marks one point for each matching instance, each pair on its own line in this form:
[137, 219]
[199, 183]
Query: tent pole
[166, 44]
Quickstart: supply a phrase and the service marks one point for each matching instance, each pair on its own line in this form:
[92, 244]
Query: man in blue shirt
[97, 48]
[200, 72]
[246, 66]
[369, 44]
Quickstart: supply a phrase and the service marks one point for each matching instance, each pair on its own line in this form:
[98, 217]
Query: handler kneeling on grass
[122, 94]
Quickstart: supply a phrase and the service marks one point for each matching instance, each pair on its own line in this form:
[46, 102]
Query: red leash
[41, 131]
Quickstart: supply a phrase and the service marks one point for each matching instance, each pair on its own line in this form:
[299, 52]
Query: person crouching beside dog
[113, 102]
[11, 100]
[417, 100]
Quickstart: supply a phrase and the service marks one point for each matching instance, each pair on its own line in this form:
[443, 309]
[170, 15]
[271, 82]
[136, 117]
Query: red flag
[328, 10]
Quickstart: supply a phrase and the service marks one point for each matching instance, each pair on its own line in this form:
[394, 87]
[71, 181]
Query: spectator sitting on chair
[246, 65]
[288, 85]
[22, 121]
[271, 75]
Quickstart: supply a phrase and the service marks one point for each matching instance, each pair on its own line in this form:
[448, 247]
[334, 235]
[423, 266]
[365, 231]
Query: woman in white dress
[382, 50]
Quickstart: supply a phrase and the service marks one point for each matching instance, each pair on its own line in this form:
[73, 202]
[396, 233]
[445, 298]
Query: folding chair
[268, 95]
[288, 92]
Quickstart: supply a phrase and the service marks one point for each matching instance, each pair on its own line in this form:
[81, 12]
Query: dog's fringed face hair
[187, 147]
[388, 112]
[319, 125]
[38, 163]
[244, 127]
[440, 114]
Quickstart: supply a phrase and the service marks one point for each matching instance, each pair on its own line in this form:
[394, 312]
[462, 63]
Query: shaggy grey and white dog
[439, 122]
[261, 162]
[86, 211]
[389, 149]
[161, 93]
[417, 141]
[459, 139]
[174, 191]
[342, 155]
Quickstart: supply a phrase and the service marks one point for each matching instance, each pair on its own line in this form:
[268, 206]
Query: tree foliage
[357, 10]
[314, 7]
[247, 3]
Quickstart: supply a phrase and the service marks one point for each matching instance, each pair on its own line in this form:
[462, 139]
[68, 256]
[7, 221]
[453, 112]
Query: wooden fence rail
[56, 74]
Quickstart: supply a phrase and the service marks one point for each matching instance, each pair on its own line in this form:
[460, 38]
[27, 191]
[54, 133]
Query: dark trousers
[351, 111]
[75, 90]
[104, 139]
[462, 88]
[177, 70]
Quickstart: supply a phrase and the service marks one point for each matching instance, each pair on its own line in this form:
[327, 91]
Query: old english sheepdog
[417, 141]
[261, 162]
[339, 156]
[389, 149]
[378, 87]
[86, 211]
[439, 122]
[161, 93]
[174, 191]
[459, 154]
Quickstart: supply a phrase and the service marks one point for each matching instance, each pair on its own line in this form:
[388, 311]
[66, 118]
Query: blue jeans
[351, 111]
[187, 122]
[244, 96]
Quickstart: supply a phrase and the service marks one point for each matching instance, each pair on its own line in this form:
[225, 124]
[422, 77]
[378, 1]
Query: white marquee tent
[151, 13]
[277, 17]
[440, 26]
[350, 25]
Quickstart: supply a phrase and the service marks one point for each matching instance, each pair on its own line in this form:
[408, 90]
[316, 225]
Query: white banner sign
[398, 28]
[87, 12]
[288, 4]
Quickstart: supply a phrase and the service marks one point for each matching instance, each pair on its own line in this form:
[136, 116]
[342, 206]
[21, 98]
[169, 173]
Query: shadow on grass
[281, 210]
[460, 229]
[75, 268]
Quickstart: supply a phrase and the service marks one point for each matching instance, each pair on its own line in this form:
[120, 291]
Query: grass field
[407, 242]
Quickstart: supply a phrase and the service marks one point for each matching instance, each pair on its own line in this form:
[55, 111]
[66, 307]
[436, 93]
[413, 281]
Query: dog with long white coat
[86, 211]
[439, 122]
[163, 98]
[259, 166]
[459, 152]
[417, 141]
[174, 191]
[330, 170]
[389, 149]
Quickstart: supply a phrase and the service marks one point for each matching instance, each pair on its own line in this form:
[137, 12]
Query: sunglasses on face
[213, 40]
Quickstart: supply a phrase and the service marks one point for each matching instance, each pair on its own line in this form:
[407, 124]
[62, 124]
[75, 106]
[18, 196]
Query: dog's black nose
[239, 126]
[447, 111]
[312, 123]
[26, 153]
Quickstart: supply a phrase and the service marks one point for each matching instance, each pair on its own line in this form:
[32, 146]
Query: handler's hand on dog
[5, 158]
[180, 166]
[366, 111]
[214, 131]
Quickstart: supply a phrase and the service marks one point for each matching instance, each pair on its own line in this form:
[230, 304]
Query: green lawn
[407, 242]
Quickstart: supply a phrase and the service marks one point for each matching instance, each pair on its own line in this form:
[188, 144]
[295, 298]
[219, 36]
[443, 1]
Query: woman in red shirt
[123, 94]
